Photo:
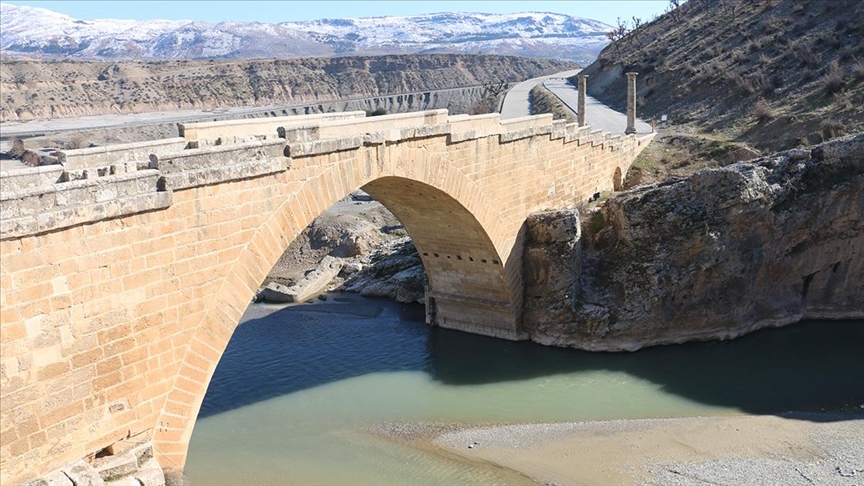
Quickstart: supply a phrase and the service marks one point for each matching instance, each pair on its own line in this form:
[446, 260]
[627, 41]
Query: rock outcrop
[716, 255]
[394, 271]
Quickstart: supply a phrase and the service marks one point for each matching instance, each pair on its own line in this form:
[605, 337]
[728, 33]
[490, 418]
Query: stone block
[104, 157]
[313, 283]
[113, 467]
[83, 474]
[123, 481]
[150, 474]
[55, 478]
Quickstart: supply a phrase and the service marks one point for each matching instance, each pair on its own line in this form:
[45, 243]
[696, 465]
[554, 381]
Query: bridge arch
[468, 283]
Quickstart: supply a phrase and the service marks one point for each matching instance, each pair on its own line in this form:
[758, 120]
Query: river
[301, 390]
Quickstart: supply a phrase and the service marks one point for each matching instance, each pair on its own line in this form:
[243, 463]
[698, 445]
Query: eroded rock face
[713, 256]
[395, 271]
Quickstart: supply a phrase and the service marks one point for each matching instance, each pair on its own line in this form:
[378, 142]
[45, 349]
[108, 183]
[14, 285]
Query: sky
[287, 11]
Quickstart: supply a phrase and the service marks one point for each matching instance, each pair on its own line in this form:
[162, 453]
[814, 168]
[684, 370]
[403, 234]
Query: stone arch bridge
[126, 268]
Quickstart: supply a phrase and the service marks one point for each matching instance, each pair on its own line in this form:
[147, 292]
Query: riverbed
[323, 393]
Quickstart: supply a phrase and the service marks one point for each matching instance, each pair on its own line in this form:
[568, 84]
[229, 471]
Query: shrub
[833, 81]
[858, 69]
[376, 112]
[832, 129]
[762, 111]
[761, 82]
[76, 142]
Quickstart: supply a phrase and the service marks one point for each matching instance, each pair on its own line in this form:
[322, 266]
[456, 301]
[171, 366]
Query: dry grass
[544, 101]
[833, 81]
[762, 111]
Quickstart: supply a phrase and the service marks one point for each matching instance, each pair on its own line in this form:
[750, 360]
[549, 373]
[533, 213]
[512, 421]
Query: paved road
[598, 115]
[516, 102]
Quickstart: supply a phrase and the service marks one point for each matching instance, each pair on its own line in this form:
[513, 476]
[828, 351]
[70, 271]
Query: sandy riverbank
[793, 449]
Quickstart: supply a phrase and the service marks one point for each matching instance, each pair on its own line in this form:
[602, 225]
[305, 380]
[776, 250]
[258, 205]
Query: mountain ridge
[42, 34]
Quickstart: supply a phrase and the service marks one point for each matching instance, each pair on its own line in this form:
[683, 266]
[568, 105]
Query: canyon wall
[41, 90]
[716, 255]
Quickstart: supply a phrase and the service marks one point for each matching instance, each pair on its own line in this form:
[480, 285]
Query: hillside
[42, 90]
[769, 75]
[37, 33]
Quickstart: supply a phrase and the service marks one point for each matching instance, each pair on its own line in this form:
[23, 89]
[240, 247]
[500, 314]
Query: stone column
[631, 103]
[580, 110]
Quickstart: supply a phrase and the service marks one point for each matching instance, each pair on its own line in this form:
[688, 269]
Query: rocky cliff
[713, 256]
[40, 90]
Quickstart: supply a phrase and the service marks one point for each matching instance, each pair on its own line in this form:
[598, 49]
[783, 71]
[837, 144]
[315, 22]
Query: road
[597, 115]
[516, 103]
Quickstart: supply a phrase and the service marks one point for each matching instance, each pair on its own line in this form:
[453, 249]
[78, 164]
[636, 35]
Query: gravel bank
[791, 449]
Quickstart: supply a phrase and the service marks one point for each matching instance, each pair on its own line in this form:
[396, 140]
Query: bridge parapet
[13, 181]
[116, 180]
[105, 156]
[47, 207]
[229, 131]
[211, 165]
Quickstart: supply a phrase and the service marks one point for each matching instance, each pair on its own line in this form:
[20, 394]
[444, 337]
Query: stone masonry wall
[112, 324]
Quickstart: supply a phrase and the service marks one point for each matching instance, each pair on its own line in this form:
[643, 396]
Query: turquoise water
[299, 388]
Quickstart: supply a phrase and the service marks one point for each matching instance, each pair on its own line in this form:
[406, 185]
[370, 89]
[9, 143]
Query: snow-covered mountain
[29, 32]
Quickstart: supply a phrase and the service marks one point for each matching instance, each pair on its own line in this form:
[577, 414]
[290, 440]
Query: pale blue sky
[284, 11]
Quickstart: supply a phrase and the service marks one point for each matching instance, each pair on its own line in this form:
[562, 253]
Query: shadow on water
[305, 346]
[809, 366]
[804, 367]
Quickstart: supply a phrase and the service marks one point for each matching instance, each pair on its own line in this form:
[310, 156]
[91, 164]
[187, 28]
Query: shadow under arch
[468, 285]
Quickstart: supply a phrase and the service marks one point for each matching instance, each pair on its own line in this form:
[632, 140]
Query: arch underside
[467, 282]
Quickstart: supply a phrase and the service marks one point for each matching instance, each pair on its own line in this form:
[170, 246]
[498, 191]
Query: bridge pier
[477, 316]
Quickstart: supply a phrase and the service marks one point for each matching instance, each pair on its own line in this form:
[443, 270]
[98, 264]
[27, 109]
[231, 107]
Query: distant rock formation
[394, 83]
[716, 255]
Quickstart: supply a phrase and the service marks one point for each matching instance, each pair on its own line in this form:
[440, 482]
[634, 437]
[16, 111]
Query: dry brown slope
[708, 64]
[41, 90]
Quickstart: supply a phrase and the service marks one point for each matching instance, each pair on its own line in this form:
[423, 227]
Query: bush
[832, 129]
[77, 142]
[858, 70]
[762, 111]
[376, 112]
[833, 81]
